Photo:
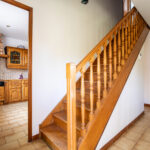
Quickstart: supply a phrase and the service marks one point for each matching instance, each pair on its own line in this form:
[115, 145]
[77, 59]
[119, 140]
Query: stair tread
[62, 115]
[56, 136]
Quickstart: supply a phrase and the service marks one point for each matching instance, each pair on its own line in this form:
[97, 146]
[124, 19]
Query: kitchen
[14, 66]
[13, 87]
[13, 54]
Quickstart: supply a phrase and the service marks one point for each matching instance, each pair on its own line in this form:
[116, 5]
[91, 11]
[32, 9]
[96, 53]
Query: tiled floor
[137, 137]
[13, 131]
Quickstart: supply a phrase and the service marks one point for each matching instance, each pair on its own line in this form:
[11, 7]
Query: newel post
[71, 105]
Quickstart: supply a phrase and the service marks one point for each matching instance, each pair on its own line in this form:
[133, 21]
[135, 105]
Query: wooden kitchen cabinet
[24, 90]
[16, 90]
[2, 97]
[15, 95]
[17, 58]
[25, 59]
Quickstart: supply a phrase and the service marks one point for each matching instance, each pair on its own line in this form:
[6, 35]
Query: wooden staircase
[94, 87]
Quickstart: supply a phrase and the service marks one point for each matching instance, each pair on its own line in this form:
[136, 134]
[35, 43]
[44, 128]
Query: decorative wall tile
[8, 74]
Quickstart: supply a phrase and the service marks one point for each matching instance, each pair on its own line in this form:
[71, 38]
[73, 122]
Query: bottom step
[55, 137]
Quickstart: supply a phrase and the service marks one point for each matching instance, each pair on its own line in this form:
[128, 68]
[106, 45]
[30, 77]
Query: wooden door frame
[30, 10]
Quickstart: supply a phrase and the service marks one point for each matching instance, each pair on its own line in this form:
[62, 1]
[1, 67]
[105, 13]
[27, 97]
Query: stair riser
[95, 68]
[78, 113]
[63, 125]
[87, 77]
[87, 97]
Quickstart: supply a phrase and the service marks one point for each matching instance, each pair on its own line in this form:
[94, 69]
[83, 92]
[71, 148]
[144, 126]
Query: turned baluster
[115, 57]
[129, 35]
[119, 50]
[98, 79]
[105, 69]
[110, 61]
[136, 26]
[134, 33]
[132, 30]
[91, 90]
[126, 40]
[82, 102]
[71, 106]
[122, 52]
[139, 29]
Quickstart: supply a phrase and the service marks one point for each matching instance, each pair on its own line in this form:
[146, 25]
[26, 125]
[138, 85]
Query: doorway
[30, 20]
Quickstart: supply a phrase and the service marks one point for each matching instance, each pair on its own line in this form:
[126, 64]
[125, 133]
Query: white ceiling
[17, 19]
[143, 7]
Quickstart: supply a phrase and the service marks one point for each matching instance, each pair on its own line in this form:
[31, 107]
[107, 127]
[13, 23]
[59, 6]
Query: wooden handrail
[114, 49]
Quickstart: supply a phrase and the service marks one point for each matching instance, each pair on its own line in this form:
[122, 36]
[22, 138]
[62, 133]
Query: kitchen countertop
[13, 79]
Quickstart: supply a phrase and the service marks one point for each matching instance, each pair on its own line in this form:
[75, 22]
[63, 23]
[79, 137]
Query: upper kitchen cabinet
[17, 58]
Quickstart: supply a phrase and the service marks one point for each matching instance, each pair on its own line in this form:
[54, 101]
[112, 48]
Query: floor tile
[10, 146]
[142, 145]
[125, 143]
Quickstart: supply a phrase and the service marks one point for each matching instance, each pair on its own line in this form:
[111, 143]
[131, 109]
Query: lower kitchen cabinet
[15, 95]
[16, 91]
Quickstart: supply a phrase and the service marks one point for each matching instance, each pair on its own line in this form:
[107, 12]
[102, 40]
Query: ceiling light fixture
[84, 1]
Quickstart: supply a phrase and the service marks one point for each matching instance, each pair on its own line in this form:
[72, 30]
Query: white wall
[64, 31]
[146, 57]
[143, 7]
[130, 104]
[8, 41]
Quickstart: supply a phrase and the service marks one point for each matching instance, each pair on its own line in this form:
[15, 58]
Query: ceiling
[143, 7]
[16, 18]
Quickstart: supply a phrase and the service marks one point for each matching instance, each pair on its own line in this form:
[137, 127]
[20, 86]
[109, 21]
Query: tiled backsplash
[7, 74]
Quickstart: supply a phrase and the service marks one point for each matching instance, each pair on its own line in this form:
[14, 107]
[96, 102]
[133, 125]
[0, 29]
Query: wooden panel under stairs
[90, 101]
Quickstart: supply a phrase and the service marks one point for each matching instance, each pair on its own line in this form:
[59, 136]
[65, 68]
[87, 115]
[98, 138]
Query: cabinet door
[24, 90]
[15, 58]
[25, 59]
[15, 95]
[1, 93]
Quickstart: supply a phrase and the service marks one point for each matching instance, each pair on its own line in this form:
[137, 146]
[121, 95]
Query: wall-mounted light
[84, 1]
[8, 26]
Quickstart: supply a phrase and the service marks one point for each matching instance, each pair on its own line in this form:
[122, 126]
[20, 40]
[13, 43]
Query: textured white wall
[146, 56]
[7, 74]
[64, 31]
[143, 8]
[130, 104]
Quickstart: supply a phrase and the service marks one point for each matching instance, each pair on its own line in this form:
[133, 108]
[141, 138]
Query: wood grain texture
[71, 105]
[3, 56]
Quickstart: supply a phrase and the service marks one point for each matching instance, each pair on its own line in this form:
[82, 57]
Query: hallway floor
[13, 131]
[137, 136]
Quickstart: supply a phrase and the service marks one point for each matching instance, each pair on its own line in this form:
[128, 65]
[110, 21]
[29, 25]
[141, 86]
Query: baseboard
[35, 137]
[107, 145]
[147, 105]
